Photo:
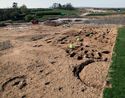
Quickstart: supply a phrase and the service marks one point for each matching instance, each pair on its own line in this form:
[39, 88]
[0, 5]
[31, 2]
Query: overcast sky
[76, 3]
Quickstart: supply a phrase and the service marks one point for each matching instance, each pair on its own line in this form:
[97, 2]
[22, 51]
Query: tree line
[67, 6]
[16, 13]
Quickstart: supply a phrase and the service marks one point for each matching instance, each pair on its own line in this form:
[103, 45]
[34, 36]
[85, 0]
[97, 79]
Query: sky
[76, 3]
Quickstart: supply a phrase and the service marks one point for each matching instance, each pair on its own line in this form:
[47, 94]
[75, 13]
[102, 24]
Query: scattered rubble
[56, 62]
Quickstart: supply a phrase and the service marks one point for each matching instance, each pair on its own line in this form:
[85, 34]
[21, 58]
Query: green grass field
[55, 13]
[118, 69]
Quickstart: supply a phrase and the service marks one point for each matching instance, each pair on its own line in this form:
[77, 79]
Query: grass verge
[117, 75]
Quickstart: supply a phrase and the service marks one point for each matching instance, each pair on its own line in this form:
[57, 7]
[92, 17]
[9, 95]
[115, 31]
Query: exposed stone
[106, 52]
[97, 55]
[80, 57]
[37, 37]
[5, 45]
[72, 54]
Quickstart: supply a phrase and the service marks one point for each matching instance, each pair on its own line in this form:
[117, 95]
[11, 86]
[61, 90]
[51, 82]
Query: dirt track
[39, 65]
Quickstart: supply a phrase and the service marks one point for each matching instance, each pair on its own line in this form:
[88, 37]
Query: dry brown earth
[39, 63]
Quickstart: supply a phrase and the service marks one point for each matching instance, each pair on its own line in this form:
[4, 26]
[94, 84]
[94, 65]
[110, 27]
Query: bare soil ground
[38, 63]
